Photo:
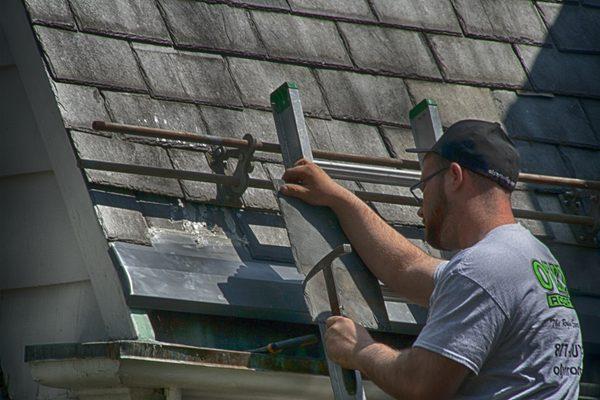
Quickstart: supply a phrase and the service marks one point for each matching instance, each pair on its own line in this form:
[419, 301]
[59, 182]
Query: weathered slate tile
[346, 137]
[551, 203]
[176, 74]
[591, 3]
[54, 12]
[257, 79]
[478, 61]
[354, 9]
[395, 213]
[267, 4]
[541, 158]
[120, 217]
[266, 235]
[130, 18]
[572, 27]
[456, 102]
[431, 15]
[389, 50]
[79, 105]
[585, 163]
[592, 110]
[259, 198]
[568, 73]
[92, 59]
[235, 124]
[5, 55]
[211, 26]
[189, 160]
[365, 97]
[514, 20]
[94, 147]
[558, 119]
[162, 212]
[398, 140]
[523, 200]
[137, 109]
[292, 37]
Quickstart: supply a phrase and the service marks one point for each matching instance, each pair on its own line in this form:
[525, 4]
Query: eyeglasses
[417, 188]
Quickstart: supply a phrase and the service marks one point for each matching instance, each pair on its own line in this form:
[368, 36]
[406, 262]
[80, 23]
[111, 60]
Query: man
[500, 322]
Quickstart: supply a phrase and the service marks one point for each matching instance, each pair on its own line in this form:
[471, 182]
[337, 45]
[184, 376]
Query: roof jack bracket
[584, 202]
[217, 159]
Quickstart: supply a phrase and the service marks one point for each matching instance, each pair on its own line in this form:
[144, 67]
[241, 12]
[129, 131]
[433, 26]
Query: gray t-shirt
[502, 309]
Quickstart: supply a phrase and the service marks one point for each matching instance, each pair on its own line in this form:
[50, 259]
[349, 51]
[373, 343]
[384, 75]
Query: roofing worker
[500, 321]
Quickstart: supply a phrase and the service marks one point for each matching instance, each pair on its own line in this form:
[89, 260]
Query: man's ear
[457, 176]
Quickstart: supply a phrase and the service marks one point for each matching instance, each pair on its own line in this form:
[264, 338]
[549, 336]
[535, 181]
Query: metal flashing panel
[174, 277]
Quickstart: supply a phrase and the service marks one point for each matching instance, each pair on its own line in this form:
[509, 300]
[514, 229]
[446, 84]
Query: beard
[435, 221]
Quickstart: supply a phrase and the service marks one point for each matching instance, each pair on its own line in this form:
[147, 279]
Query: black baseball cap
[482, 147]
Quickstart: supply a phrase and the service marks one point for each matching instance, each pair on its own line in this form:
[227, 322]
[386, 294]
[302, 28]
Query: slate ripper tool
[317, 239]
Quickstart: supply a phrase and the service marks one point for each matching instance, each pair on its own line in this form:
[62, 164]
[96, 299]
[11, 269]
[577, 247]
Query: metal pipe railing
[266, 147]
[266, 184]
[321, 154]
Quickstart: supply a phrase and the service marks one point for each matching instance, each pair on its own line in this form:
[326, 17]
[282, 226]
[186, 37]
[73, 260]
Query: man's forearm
[385, 366]
[386, 252]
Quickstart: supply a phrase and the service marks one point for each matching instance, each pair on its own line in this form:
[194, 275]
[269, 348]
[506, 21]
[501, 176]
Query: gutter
[111, 367]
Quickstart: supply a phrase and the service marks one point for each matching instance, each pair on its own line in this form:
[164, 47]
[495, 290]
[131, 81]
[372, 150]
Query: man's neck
[474, 222]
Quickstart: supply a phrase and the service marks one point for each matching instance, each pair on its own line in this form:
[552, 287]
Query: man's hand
[311, 184]
[344, 339]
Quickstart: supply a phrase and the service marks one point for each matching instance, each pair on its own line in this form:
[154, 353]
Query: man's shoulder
[501, 264]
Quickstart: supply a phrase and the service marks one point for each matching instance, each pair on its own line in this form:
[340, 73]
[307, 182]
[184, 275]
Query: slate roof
[209, 66]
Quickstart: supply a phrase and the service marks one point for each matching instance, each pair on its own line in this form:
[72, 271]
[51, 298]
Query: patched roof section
[208, 67]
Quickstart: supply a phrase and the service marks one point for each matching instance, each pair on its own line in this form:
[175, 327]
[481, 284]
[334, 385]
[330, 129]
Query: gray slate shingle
[513, 20]
[79, 105]
[136, 109]
[211, 26]
[130, 18]
[395, 213]
[189, 160]
[398, 140]
[267, 4]
[432, 15]
[389, 50]
[591, 3]
[478, 61]
[557, 72]
[585, 163]
[365, 97]
[91, 59]
[297, 38]
[94, 147]
[120, 217]
[5, 55]
[456, 102]
[354, 9]
[558, 119]
[592, 110]
[523, 200]
[551, 203]
[259, 198]
[55, 12]
[540, 158]
[346, 137]
[179, 75]
[235, 124]
[572, 27]
[257, 79]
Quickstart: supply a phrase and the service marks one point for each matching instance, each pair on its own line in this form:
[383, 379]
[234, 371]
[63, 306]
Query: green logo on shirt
[552, 278]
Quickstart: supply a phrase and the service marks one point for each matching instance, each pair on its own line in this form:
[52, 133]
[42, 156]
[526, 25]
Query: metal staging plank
[315, 231]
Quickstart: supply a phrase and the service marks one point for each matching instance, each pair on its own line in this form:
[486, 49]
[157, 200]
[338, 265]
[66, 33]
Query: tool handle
[349, 378]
